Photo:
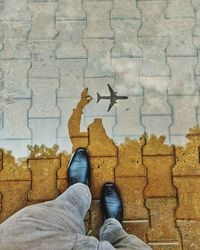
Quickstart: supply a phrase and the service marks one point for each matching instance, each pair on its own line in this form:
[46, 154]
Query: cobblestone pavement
[51, 50]
[159, 183]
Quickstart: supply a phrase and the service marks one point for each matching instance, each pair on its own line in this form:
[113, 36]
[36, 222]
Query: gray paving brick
[154, 56]
[128, 117]
[155, 96]
[64, 144]
[71, 77]
[153, 18]
[15, 11]
[43, 60]
[44, 131]
[99, 60]
[126, 38]
[66, 106]
[182, 75]
[18, 147]
[71, 44]
[15, 35]
[180, 32]
[15, 120]
[127, 75]
[184, 115]
[196, 41]
[125, 9]
[18, 85]
[43, 20]
[178, 139]
[196, 6]
[98, 19]
[179, 8]
[70, 10]
[44, 98]
[157, 125]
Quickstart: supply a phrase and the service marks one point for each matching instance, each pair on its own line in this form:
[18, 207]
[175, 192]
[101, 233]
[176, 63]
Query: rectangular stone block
[131, 189]
[102, 171]
[125, 9]
[137, 228]
[44, 183]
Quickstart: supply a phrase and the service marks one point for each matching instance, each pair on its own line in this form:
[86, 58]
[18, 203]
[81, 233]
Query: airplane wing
[112, 92]
[110, 106]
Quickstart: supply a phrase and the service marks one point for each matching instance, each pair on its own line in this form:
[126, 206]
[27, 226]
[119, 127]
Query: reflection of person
[59, 224]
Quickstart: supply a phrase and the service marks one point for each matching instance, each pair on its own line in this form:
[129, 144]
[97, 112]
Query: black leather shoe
[79, 167]
[111, 203]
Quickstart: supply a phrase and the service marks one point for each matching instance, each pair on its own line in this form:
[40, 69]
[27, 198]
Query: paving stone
[153, 18]
[71, 77]
[125, 9]
[43, 60]
[131, 189]
[180, 33]
[130, 159]
[126, 38]
[138, 228]
[14, 197]
[127, 76]
[184, 116]
[15, 11]
[98, 19]
[15, 40]
[187, 158]
[128, 112]
[95, 218]
[188, 196]
[71, 34]
[16, 113]
[196, 41]
[43, 94]
[108, 124]
[196, 6]
[44, 131]
[99, 143]
[163, 228]
[70, 10]
[64, 144]
[99, 60]
[64, 162]
[66, 105]
[190, 234]
[155, 95]
[178, 139]
[102, 171]
[166, 246]
[17, 86]
[12, 171]
[78, 142]
[44, 186]
[18, 147]
[179, 9]
[159, 171]
[43, 20]
[154, 56]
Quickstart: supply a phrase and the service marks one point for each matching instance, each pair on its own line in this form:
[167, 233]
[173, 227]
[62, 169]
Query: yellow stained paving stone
[137, 228]
[159, 172]
[130, 159]
[75, 119]
[95, 218]
[62, 185]
[132, 190]
[155, 146]
[187, 158]
[14, 197]
[102, 171]
[44, 175]
[189, 197]
[190, 231]
[64, 162]
[39, 152]
[99, 143]
[162, 216]
[78, 142]
[11, 170]
[167, 246]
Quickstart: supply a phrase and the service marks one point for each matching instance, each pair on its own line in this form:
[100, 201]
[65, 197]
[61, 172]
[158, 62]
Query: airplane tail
[98, 97]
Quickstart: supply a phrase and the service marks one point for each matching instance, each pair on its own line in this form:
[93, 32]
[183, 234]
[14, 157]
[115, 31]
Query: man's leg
[113, 232]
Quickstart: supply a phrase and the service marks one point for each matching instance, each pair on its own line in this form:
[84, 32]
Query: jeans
[59, 224]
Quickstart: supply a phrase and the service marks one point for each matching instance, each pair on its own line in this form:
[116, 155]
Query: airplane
[113, 97]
